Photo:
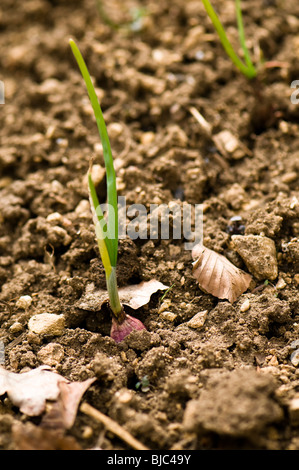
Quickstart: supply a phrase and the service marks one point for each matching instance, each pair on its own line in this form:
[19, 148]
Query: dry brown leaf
[135, 296]
[62, 413]
[216, 275]
[29, 391]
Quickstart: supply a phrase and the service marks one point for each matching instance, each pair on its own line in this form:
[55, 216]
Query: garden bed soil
[231, 382]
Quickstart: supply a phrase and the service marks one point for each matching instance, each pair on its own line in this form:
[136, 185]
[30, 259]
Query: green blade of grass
[112, 239]
[104, 243]
[248, 61]
[225, 41]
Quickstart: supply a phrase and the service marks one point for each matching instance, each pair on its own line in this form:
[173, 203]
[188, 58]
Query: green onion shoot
[106, 229]
[246, 68]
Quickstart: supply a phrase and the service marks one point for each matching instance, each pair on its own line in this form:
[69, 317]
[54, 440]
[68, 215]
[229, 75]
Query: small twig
[207, 131]
[7, 305]
[113, 426]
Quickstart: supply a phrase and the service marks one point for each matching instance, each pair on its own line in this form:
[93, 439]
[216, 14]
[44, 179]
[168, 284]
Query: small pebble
[231, 144]
[98, 174]
[124, 396]
[87, 432]
[245, 306]
[295, 358]
[115, 129]
[147, 138]
[198, 320]
[169, 316]
[55, 217]
[281, 284]
[164, 306]
[47, 324]
[83, 209]
[273, 361]
[289, 177]
[16, 327]
[24, 302]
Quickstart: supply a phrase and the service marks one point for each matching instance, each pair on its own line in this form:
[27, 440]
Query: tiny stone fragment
[164, 306]
[245, 306]
[87, 432]
[290, 177]
[281, 284]
[16, 327]
[169, 316]
[198, 320]
[97, 174]
[47, 324]
[295, 358]
[230, 145]
[24, 302]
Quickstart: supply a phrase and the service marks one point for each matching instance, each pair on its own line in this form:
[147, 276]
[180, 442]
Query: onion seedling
[247, 68]
[262, 114]
[106, 231]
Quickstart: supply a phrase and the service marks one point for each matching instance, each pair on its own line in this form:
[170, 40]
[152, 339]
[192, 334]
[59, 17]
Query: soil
[233, 381]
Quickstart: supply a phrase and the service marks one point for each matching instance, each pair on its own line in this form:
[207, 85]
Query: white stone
[295, 358]
[48, 324]
[24, 302]
[16, 327]
[198, 320]
[245, 306]
[169, 316]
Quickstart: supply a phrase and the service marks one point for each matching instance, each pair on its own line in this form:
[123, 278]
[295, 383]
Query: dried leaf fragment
[216, 275]
[135, 296]
[139, 294]
[62, 413]
[30, 391]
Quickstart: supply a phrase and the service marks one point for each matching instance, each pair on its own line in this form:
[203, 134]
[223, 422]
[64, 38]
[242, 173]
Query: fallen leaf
[29, 391]
[62, 413]
[216, 275]
[134, 296]
[137, 295]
